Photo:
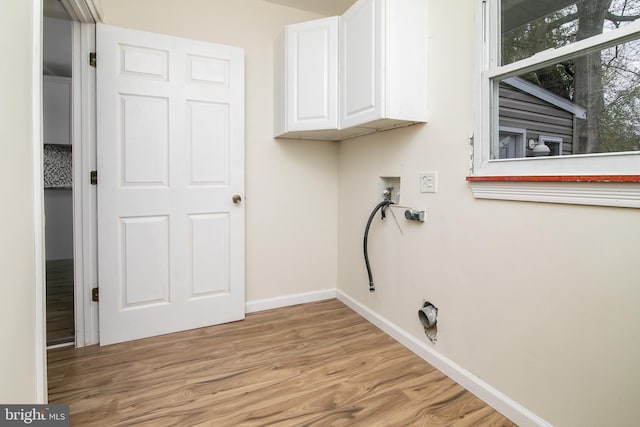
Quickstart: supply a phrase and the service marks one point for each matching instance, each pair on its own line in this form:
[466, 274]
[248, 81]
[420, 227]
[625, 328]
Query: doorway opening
[57, 171]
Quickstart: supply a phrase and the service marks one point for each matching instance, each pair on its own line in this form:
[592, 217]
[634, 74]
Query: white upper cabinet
[56, 106]
[361, 66]
[306, 78]
[383, 65]
[377, 51]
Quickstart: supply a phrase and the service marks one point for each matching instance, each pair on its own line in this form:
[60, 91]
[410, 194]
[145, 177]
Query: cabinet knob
[236, 198]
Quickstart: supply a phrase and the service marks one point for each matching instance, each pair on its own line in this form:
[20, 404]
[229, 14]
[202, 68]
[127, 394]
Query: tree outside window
[603, 81]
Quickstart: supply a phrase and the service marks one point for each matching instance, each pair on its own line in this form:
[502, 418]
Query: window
[559, 89]
[511, 143]
[547, 146]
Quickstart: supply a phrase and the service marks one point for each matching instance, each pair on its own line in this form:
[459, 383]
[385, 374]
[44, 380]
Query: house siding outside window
[558, 94]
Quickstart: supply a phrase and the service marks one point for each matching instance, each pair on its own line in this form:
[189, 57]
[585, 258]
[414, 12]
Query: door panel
[170, 157]
[209, 259]
[361, 63]
[312, 70]
[144, 151]
[208, 136]
[145, 261]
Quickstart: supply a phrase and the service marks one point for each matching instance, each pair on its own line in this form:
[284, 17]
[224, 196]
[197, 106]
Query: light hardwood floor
[60, 320]
[317, 364]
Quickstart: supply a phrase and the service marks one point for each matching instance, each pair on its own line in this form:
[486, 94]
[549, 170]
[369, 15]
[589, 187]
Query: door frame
[39, 255]
[85, 14]
[85, 247]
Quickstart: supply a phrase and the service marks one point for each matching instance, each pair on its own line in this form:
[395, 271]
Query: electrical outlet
[429, 182]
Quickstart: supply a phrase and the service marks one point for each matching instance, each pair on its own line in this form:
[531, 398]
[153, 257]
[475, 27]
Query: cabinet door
[361, 70]
[56, 105]
[312, 70]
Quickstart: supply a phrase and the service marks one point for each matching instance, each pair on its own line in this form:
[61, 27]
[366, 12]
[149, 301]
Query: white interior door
[170, 154]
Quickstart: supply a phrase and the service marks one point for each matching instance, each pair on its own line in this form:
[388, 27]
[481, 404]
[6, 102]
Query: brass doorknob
[236, 198]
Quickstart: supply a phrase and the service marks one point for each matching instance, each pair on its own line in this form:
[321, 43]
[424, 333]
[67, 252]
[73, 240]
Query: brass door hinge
[93, 177]
[95, 296]
[92, 59]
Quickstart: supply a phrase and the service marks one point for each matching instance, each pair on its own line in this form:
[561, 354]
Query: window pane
[587, 104]
[531, 26]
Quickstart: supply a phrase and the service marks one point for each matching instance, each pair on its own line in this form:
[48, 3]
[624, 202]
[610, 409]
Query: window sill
[599, 190]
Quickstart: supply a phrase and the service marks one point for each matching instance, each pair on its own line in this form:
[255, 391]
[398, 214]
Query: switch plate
[429, 182]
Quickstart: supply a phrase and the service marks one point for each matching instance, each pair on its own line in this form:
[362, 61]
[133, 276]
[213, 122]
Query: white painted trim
[89, 192]
[551, 56]
[40, 333]
[288, 300]
[67, 344]
[76, 190]
[500, 402]
[87, 11]
[84, 194]
[577, 193]
[622, 163]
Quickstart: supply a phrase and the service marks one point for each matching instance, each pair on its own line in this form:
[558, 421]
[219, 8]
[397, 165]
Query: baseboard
[287, 300]
[494, 398]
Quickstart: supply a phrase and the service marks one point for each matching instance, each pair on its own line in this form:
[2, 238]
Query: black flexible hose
[382, 205]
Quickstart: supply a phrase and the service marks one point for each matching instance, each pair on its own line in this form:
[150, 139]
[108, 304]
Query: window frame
[571, 169]
[544, 139]
[518, 132]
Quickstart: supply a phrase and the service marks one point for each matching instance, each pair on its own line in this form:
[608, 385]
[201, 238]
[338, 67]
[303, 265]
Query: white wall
[291, 186]
[56, 42]
[56, 45]
[537, 300]
[58, 208]
[18, 358]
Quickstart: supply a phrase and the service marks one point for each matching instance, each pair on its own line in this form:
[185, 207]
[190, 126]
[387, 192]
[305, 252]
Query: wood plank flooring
[60, 320]
[317, 364]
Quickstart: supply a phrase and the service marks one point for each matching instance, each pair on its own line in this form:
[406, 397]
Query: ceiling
[54, 9]
[57, 32]
[322, 7]
[56, 49]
